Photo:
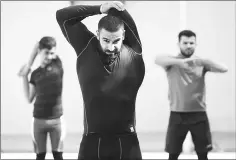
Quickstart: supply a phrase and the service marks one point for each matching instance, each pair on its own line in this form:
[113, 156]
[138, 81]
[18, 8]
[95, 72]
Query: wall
[158, 22]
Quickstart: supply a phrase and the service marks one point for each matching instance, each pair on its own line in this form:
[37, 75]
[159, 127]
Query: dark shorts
[179, 125]
[40, 130]
[106, 147]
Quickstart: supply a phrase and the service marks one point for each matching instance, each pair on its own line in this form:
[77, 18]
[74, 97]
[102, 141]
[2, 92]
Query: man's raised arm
[75, 32]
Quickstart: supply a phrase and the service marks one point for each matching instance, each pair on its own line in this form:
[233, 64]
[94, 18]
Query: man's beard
[108, 56]
[187, 55]
[47, 62]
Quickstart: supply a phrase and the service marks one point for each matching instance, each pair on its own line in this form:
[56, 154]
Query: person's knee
[202, 155]
[173, 156]
[40, 156]
[57, 155]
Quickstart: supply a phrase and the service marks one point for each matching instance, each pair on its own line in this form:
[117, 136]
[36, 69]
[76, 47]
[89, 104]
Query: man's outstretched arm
[213, 66]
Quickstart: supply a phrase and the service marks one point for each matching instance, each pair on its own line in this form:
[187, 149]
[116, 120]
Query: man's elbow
[158, 61]
[139, 49]
[219, 70]
[30, 100]
[224, 70]
[59, 16]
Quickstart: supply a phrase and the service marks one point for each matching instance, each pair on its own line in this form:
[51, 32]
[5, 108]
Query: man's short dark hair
[47, 43]
[110, 23]
[187, 33]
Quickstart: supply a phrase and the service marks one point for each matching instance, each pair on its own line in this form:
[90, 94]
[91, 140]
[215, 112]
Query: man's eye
[115, 42]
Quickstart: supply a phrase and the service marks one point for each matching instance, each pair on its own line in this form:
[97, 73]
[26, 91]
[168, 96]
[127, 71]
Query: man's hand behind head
[108, 5]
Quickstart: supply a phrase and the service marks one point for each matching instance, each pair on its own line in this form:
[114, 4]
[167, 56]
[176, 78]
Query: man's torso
[109, 97]
[48, 85]
[186, 88]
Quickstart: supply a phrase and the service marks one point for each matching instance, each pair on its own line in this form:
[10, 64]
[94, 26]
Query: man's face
[187, 45]
[47, 55]
[111, 42]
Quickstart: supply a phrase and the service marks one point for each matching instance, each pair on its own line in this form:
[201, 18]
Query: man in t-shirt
[110, 70]
[45, 86]
[186, 78]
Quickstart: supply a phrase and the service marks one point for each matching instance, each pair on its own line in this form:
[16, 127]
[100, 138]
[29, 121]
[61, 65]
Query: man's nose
[50, 56]
[189, 46]
[111, 47]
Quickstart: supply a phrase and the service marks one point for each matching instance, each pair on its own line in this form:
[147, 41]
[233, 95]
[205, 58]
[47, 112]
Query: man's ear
[97, 34]
[178, 44]
[123, 35]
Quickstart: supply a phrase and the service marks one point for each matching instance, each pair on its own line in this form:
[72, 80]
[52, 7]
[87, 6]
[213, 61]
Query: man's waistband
[99, 134]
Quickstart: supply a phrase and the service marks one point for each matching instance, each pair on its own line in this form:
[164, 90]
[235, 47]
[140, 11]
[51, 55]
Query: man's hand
[108, 5]
[187, 62]
[183, 64]
[194, 60]
[24, 71]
